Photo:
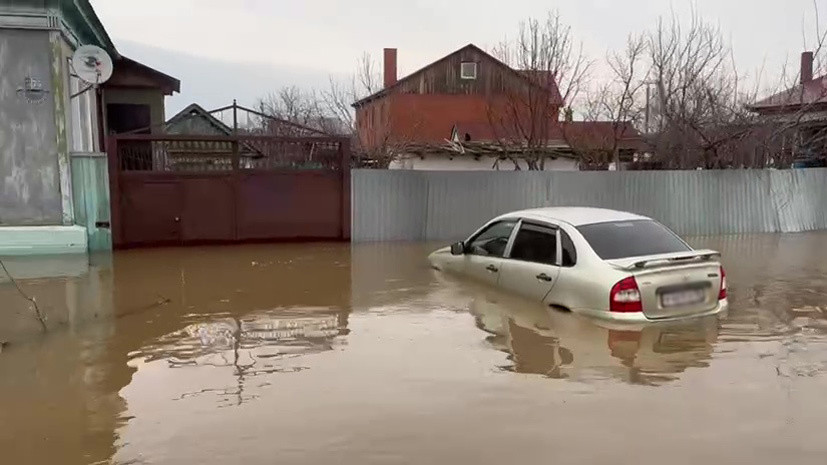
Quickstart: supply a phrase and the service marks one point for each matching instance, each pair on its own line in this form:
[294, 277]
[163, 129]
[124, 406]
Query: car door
[485, 251]
[532, 266]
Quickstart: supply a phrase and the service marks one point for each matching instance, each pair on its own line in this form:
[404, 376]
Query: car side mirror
[458, 248]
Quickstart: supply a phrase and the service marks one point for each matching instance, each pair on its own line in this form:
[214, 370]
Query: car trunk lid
[675, 285]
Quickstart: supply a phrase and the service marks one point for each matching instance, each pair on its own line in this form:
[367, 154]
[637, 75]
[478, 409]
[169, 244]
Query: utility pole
[648, 110]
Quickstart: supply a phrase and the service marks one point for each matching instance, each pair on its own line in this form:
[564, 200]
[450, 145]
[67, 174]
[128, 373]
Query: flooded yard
[362, 354]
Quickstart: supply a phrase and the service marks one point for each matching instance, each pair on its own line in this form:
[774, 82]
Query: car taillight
[625, 297]
[722, 294]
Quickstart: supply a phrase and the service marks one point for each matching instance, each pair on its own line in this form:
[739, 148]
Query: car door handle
[544, 277]
[492, 268]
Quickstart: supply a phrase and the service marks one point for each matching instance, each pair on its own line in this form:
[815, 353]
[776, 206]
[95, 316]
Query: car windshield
[624, 239]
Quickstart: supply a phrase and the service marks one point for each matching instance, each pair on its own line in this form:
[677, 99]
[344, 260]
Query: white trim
[462, 73]
[42, 240]
[38, 20]
[24, 21]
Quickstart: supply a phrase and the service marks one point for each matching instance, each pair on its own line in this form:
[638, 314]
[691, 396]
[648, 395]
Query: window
[536, 244]
[468, 70]
[624, 239]
[569, 251]
[128, 117]
[492, 241]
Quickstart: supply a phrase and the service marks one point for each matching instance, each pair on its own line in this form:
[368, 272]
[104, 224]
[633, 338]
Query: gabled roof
[600, 135]
[542, 78]
[481, 131]
[197, 111]
[131, 73]
[579, 135]
[813, 92]
[91, 17]
[546, 79]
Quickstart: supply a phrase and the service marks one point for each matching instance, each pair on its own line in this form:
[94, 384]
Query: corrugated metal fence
[423, 205]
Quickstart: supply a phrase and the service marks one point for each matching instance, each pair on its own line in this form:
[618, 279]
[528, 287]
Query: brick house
[458, 113]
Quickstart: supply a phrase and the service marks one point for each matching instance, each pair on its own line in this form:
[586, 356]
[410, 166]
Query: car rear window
[624, 239]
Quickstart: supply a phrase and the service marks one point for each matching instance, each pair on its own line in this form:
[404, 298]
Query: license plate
[683, 298]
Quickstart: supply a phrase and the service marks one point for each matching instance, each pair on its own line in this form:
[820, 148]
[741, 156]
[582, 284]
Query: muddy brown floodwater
[318, 354]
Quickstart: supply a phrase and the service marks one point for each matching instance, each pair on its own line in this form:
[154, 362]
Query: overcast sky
[225, 49]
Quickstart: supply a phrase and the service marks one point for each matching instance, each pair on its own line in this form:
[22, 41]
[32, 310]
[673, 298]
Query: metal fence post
[344, 147]
[113, 160]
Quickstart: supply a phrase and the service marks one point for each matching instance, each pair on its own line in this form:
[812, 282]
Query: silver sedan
[602, 263]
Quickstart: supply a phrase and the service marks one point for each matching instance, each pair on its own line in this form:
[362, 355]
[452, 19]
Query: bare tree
[697, 108]
[332, 112]
[548, 46]
[301, 107]
[381, 140]
[792, 119]
[338, 99]
[553, 68]
[617, 103]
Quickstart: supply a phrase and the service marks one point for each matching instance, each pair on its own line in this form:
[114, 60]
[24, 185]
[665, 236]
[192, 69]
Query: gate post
[114, 190]
[344, 148]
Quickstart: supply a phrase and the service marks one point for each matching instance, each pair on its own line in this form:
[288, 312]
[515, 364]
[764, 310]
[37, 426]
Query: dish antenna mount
[92, 65]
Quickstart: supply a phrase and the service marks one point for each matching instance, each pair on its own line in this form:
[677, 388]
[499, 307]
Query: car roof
[575, 216]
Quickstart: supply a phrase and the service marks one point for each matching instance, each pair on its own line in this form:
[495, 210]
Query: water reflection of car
[544, 341]
[603, 263]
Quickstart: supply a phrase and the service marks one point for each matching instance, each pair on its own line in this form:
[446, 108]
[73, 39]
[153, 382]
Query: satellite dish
[92, 64]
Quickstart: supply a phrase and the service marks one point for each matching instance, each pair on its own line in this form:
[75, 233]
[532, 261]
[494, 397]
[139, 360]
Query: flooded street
[362, 354]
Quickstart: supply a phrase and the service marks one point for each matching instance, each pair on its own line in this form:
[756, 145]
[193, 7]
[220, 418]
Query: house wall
[468, 163]
[373, 122]
[430, 118]
[30, 192]
[152, 97]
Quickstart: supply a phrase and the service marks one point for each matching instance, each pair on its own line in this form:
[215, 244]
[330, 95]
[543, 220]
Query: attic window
[468, 70]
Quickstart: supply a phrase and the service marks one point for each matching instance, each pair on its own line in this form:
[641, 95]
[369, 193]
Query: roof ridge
[496, 60]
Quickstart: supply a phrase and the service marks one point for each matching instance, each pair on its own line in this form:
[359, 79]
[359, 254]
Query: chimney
[806, 67]
[390, 67]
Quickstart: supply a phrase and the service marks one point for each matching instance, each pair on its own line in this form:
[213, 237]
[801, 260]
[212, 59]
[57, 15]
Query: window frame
[467, 77]
[81, 117]
[488, 226]
[558, 259]
[561, 232]
[664, 227]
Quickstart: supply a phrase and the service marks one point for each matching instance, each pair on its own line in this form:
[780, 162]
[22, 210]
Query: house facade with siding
[52, 127]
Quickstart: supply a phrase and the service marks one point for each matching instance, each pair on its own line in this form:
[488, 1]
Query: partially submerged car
[602, 263]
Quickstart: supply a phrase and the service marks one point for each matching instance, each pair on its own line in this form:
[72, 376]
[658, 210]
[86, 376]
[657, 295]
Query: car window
[569, 251]
[536, 244]
[493, 240]
[624, 239]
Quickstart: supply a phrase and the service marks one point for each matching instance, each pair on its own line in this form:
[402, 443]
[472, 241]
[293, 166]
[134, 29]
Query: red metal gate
[182, 190]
